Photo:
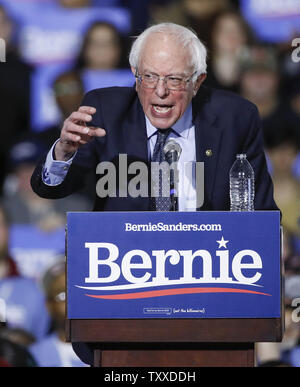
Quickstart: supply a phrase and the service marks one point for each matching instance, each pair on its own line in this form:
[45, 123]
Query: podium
[174, 289]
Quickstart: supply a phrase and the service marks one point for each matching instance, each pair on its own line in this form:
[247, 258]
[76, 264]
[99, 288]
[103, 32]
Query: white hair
[183, 35]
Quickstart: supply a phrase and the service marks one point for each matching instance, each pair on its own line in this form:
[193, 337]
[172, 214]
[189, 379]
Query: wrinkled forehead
[163, 53]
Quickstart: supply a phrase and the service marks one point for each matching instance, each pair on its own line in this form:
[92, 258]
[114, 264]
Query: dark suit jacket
[225, 123]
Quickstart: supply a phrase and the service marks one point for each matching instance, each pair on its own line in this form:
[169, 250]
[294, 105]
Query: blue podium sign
[138, 265]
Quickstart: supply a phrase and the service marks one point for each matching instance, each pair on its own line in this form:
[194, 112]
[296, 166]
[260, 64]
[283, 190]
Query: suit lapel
[208, 137]
[135, 134]
[135, 145]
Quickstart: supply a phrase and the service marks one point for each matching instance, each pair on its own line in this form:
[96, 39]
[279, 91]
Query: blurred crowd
[57, 50]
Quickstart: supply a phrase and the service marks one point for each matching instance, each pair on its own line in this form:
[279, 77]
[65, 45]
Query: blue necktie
[160, 203]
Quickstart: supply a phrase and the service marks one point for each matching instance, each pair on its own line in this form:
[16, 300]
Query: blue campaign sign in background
[272, 21]
[173, 265]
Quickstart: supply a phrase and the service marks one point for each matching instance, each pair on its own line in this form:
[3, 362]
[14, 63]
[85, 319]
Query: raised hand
[76, 133]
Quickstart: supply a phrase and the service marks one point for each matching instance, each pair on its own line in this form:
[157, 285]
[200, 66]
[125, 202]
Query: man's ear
[133, 70]
[199, 82]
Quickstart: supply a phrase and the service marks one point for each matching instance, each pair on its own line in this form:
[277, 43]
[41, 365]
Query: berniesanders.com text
[161, 226]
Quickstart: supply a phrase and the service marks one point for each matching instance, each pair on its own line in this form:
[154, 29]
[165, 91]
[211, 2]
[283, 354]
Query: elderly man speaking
[168, 101]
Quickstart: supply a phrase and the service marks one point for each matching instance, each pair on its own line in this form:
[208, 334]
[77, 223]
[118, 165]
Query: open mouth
[162, 109]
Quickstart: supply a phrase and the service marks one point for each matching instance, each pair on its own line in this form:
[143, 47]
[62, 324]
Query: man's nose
[161, 89]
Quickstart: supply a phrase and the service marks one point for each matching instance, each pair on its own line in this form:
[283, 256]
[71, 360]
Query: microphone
[172, 151]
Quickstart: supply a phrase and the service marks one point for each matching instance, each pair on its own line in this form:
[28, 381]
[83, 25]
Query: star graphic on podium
[222, 243]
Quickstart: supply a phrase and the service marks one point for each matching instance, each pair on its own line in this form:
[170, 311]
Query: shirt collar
[181, 127]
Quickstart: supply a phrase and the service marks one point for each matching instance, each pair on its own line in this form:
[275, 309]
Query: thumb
[97, 132]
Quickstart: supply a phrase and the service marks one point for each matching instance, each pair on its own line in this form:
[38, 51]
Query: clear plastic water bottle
[242, 185]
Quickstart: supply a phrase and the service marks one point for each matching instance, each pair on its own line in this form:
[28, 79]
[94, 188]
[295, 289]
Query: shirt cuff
[54, 171]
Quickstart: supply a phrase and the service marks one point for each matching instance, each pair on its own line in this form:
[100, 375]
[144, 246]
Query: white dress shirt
[184, 134]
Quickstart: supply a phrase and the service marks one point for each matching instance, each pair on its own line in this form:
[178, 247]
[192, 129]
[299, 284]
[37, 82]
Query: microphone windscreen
[174, 147]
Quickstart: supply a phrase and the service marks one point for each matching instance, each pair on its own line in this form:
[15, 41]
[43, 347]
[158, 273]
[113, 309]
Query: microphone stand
[172, 158]
[173, 192]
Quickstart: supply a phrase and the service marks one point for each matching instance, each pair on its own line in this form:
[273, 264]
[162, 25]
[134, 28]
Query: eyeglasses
[173, 82]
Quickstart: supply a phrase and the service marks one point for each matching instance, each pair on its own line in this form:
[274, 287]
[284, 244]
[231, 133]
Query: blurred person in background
[196, 14]
[229, 38]
[292, 264]
[102, 59]
[101, 48]
[17, 335]
[282, 147]
[53, 351]
[260, 83]
[101, 51]
[36, 226]
[8, 267]
[295, 96]
[286, 352]
[294, 102]
[99, 64]
[14, 93]
[68, 91]
[22, 205]
[276, 354]
[15, 355]
[294, 99]
[25, 302]
[290, 346]
[260, 79]
[276, 23]
[49, 37]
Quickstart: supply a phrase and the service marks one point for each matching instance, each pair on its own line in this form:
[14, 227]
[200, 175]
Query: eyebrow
[168, 75]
